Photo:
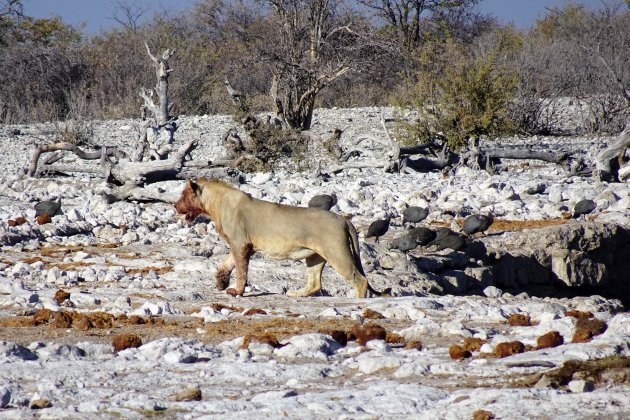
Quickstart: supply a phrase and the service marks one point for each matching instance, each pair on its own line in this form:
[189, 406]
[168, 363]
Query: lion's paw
[233, 292]
[301, 292]
[295, 293]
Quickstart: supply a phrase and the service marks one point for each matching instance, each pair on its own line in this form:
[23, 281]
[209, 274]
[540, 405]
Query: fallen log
[419, 149]
[167, 191]
[427, 165]
[104, 154]
[524, 154]
[148, 172]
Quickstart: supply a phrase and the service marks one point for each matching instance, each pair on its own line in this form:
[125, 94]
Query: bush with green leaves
[462, 92]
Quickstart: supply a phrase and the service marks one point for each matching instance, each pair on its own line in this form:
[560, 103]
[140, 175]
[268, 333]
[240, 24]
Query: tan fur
[279, 231]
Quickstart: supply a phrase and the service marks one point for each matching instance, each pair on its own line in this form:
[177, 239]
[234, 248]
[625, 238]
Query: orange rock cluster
[586, 329]
[550, 339]
[270, 339]
[126, 341]
[457, 352]
[519, 320]
[509, 348]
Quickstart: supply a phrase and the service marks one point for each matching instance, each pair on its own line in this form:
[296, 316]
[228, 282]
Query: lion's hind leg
[345, 265]
[314, 267]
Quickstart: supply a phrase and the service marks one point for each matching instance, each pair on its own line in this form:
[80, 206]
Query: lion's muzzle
[188, 204]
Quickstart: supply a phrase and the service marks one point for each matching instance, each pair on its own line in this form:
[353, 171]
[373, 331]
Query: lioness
[277, 230]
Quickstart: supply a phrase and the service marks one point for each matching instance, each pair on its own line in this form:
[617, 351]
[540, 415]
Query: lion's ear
[196, 188]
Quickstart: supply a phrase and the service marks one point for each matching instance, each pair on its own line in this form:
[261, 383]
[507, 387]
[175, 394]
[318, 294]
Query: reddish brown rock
[42, 316]
[62, 320]
[101, 320]
[519, 320]
[509, 348]
[83, 323]
[393, 338]
[254, 311]
[551, 339]
[368, 332]
[270, 339]
[126, 341]
[413, 345]
[42, 219]
[473, 343]
[483, 415]
[17, 221]
[218, 306]
[371, 314]
[61, 295]
[457, 352]
[579, 314]
[157, 321]
[136, 320]
[586, 329]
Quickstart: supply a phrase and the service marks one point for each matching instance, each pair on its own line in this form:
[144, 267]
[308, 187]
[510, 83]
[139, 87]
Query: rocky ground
[110, 310]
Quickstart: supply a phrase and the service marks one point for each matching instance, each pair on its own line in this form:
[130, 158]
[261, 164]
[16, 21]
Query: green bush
[461, 93]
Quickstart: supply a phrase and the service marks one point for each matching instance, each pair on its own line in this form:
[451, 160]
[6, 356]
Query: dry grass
[145, 270]
[518, 225]
[24, 330]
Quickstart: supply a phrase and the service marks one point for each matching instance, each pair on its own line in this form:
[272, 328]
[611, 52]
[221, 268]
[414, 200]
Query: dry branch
[104, 154]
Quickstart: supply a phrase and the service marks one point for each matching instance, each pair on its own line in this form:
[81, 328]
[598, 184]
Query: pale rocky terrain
[125, 263]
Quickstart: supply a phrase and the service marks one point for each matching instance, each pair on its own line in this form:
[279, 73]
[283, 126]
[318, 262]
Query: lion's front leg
[314, 266]
[241, 261]
[223, 274]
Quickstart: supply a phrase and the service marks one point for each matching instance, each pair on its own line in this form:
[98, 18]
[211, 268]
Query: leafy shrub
[268, 144]
[462, 93]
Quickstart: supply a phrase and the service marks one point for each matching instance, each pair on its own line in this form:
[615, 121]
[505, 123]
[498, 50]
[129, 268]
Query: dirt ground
[27, 329]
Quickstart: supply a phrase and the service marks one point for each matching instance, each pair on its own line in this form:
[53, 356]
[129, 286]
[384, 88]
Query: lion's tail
[356, 253]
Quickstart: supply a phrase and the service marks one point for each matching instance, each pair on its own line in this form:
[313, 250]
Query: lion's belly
[292, 253]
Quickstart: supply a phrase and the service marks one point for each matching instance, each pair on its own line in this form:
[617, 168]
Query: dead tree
[608, 161]
[153, 158]
[159, 127]
[316, 45]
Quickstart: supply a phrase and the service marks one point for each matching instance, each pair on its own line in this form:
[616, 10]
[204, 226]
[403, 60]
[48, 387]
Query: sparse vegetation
[463, 94]
[469, 75]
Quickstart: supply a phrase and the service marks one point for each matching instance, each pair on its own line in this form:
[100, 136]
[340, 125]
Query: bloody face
[189, 204]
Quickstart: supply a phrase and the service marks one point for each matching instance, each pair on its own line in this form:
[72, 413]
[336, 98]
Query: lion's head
[189, 203]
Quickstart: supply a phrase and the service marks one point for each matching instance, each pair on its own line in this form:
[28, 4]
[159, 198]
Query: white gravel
[311, 376]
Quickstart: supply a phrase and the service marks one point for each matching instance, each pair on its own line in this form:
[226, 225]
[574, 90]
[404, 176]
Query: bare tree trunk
[160, 147]
[607, 161]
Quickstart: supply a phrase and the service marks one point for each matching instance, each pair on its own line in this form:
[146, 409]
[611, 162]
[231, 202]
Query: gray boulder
[576, 254]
